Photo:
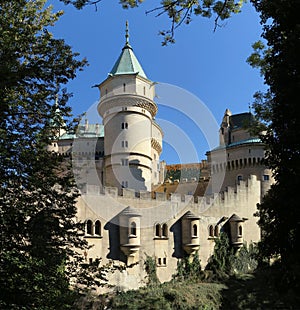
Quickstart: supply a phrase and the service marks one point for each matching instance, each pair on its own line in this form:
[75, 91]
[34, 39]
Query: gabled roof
[127, 63]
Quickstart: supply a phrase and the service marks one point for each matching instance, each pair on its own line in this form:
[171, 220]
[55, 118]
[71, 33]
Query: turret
[133, 141]
[130, 234]
[190, 233]
[225, 128]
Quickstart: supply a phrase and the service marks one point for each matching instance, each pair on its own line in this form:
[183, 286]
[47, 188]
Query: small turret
[225, 128]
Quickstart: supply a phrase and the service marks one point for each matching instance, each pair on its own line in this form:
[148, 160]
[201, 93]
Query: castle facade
[117, 165]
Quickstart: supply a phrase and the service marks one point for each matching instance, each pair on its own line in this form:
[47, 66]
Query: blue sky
[209, 65]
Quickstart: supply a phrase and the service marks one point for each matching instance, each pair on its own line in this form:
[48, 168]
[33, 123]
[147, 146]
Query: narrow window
[124, 125]
[144, 90]
[159, 261]
[157, 230]
[165, 261]
[240, 178]
[105, 91]
[90, 261]
[216, 232]
[240, 230]
[133, 229]
[211, 231]
[266, 177]
[89, 227]
[124, 161]
[195, 230]
[124, 87]
[165, 230]
[97, 228]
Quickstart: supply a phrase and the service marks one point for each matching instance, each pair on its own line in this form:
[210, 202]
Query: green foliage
[173, 295]
[224, 262]
[150, 268]
[246, 259]
[220, 263]
[189, 268]
[40, 240]
[279, 218]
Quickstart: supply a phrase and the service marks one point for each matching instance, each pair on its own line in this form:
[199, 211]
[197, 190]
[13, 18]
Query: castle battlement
[239, 193]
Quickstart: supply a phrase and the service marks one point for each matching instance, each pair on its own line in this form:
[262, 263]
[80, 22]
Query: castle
[117, 165]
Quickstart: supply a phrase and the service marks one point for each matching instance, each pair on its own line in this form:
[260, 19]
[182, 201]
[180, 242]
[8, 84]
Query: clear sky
[207, 65]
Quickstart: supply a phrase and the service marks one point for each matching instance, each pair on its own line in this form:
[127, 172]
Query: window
[195, 230]
[124, 87]
[144, 90]
[89, 227]
[240, 178]
[124, 143]
[97, 228]
[124, 162]
[105, 91]
[216, 232]
[240, 230]
[266, 177]
[159, 261]
[124, 125]
[124, 184]
[90, 261]
[157, 230]
[211, 231]
[133, 229]
[165, 261]
[165, 230]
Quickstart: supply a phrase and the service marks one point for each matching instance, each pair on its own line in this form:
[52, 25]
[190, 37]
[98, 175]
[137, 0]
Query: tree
[279, 216]
[220, 263]
[40, 240]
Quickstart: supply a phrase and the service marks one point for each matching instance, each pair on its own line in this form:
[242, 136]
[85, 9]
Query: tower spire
[127, 33]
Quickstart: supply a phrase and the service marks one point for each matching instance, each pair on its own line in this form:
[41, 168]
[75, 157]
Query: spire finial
[127, 33]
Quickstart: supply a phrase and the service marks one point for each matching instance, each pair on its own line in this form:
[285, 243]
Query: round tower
[133, 141]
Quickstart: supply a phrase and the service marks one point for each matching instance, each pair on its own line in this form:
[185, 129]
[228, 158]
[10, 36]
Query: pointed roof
[127, 62]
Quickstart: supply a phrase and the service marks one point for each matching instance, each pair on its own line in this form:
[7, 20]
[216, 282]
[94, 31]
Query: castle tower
[240, 154]
[133, 141]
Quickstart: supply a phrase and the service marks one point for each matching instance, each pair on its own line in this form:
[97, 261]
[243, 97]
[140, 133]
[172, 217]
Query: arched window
[216, 232]
[97, 228]
[133, 228]
[165, 230]
[195, 230]
[124, 87]
[89, 227]
[240, 230]
[157, 230]
[211, 231]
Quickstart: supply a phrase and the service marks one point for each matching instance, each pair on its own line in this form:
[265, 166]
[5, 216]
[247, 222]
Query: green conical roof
[127, 62]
